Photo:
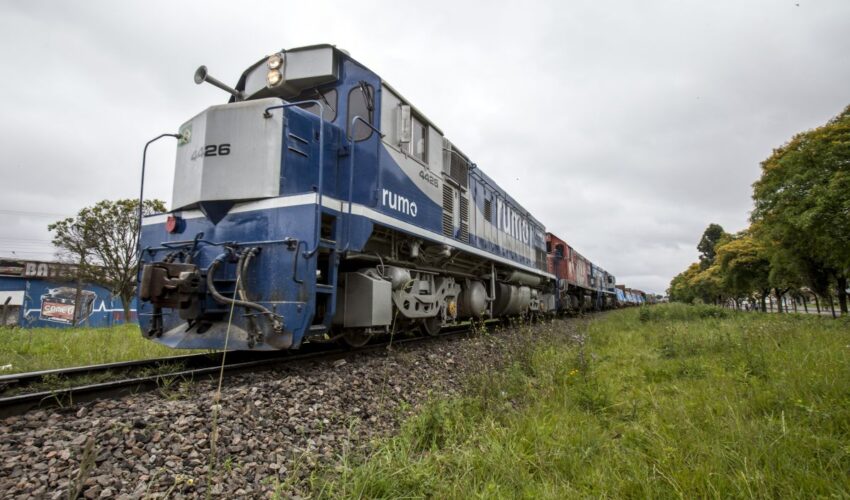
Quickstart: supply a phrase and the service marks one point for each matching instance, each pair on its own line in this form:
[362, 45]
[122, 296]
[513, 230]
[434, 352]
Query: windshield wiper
[326, 100]
[367, 96]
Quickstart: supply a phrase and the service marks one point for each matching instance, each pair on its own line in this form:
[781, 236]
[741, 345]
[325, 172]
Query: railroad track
[23, 392]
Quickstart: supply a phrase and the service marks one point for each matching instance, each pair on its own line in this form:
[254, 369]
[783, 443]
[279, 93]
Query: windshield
[327, 97]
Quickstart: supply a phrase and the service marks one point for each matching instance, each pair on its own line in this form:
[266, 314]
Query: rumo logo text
[398, 203]
[512, 223]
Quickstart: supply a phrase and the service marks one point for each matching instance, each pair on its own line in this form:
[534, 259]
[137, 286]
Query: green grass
[46, 348]
[668, 402]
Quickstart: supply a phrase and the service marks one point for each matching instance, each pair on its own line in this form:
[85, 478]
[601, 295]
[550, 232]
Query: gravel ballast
[275, 428]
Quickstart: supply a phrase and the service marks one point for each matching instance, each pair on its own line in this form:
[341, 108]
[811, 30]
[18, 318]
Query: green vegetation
[798, 239]
[102, 240]
[46, 348]
[669, 401]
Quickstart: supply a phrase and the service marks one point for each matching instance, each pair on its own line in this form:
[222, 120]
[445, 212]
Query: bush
[682, 312]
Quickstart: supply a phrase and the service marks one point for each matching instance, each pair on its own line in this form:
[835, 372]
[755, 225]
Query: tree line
[798, 240]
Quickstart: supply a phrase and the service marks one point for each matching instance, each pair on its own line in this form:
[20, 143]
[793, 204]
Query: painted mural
[61, 305]
[42, 294]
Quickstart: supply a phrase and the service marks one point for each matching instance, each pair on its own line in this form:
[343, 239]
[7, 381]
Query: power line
[28, 249]
[38, 240]
[35, 252]
[23, 241]
[4, 243]
[40, 244]
[25, 244]
[33, 214]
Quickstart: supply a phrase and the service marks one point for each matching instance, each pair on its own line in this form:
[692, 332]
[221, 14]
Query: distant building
[38, 294]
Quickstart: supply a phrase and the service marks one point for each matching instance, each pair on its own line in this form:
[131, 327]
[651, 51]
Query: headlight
[273, 77]
[275, 61]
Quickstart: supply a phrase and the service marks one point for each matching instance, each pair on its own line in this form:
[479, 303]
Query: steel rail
[70, 396]
[22, 380]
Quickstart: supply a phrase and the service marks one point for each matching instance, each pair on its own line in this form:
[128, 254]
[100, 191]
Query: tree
[104, 238]
[707, 244]
[75, 241]
[745, 266]
[802, 200]
[681, 289]
[817, 278]
[785, 273]
[708, 285]
[697, 284]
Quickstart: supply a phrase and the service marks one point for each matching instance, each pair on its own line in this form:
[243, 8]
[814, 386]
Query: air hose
[277, 323]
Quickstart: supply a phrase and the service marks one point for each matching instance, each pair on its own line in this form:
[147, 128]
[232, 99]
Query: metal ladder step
[314, 329]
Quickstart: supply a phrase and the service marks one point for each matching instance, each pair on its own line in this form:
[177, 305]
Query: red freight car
[566, 263]
[558, 256]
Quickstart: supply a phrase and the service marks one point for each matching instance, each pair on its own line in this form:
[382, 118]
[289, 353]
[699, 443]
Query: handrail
[142, 187]
[466, 160]
[172, 245]
[351, 176]
[319, 188]
[358, 118]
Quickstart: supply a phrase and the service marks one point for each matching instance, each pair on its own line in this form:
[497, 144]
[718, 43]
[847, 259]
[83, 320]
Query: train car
[570, 271]
[602, 284]
[632, 297]
[620, 297]
[628, 298]
[582, 267]
[319, 204]
[581, 284]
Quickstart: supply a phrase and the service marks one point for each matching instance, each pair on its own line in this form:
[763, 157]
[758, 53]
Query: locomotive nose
[227, 154]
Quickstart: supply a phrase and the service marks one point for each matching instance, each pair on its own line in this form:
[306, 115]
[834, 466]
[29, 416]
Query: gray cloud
[624, 128]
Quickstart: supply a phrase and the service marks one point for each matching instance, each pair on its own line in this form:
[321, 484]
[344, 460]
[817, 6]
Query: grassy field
[44, 348]
[671, 401]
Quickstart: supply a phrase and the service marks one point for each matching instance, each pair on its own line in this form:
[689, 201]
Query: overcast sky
[625, 127]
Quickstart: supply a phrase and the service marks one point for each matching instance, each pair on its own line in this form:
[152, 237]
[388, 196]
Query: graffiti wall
[38, 294]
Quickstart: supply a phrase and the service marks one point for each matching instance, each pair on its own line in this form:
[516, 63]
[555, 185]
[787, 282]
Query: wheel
[356, 337]
[431, 326]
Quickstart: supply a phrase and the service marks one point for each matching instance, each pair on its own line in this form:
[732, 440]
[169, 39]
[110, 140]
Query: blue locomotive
[319, 204]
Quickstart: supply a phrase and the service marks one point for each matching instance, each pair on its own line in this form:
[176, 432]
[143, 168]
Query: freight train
[319, 204]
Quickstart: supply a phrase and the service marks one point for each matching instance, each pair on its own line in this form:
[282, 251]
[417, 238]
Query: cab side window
[419, 142]
[361, 102]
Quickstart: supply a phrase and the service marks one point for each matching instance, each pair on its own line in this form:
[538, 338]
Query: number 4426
[217, 150]
[211, 150]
